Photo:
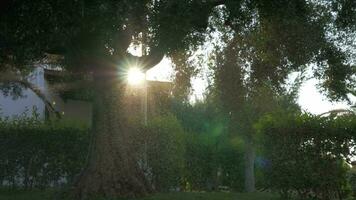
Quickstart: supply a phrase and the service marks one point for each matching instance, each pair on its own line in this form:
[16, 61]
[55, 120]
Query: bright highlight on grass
[135, 76]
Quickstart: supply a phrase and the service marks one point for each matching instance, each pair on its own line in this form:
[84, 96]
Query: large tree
[93, 37]
[266, 41]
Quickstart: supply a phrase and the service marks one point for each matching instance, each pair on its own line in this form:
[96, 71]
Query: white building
[71, 109]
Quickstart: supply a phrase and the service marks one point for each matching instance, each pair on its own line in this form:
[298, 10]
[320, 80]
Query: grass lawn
[212, 196]
[48, 195]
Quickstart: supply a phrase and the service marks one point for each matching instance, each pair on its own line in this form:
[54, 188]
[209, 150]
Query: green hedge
[159, 148]
[213, 161]
[34, 154]
[189, 161]
[166, 151]
[306, 155]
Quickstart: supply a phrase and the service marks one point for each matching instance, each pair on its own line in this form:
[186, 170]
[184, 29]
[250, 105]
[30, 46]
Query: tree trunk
[112, 170]
[249, 166]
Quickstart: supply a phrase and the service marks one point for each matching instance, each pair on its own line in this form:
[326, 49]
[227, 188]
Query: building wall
[73, 110]
[13, 106]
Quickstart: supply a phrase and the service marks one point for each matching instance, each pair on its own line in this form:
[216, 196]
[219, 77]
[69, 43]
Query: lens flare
[135, 76]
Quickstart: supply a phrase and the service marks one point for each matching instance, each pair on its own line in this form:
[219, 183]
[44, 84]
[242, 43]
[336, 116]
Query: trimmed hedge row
[34, 154]
[307, 154]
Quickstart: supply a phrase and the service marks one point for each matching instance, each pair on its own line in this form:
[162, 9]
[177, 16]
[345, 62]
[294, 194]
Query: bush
[352, 180]
[306, 154]
[159, 148]
[213, 161]
[214, 157]
[200, 162]
[35, 154]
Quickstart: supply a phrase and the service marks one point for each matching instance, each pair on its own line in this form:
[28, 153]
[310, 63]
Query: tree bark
[249, 166]
[112, 170]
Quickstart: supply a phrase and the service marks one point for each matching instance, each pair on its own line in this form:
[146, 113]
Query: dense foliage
[307, 154]
[263, 44]
[213, 163]
[213, 157]
[34, 154]
[165, 152]
[190, 158]
[173, 154]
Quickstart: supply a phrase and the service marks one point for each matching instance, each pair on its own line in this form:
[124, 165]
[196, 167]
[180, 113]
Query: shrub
[35, 154]
[213, 161]
[352, 180]
[214, 156]
[159, 147]
[306, 154]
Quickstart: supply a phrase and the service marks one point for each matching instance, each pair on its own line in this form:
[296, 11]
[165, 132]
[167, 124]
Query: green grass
[50, 195]
[212, 196]
[25, 195]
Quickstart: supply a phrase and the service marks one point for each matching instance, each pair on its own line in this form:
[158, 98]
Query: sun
[135, 76]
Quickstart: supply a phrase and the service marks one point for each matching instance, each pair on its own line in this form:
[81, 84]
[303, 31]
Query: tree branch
[352, 92]
[156, 55]
[215, 3]
[337, 111]
[146, 62]
[10, 77]
[39, 93]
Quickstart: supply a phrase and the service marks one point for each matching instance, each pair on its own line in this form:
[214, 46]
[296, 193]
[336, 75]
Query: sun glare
[135, 76]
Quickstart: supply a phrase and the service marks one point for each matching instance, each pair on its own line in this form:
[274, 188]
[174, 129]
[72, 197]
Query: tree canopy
[279, 35]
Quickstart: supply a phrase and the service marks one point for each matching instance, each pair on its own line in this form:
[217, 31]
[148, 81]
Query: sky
[311, 100]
